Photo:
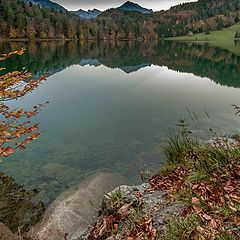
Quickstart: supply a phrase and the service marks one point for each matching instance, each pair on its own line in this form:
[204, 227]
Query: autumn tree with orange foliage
[16, 128]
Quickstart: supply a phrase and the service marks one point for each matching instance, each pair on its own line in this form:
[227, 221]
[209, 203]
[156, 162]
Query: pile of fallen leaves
[216, 201]
[124, 222]
[170, 182]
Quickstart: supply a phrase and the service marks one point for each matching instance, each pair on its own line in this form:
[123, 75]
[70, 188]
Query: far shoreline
[223, 39]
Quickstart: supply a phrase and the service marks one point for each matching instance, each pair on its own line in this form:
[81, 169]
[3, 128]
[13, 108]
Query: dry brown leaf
[213, 224]
[123, 210]
[195, 201]
[206, 217]
[197, 209]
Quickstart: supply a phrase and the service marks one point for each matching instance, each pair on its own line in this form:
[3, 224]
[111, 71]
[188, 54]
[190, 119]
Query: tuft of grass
[183, 149]
[113, 201]
[181, 228]
[215, 157]
[225, 236]
[180, 145]
[197, 176]
[185, 195]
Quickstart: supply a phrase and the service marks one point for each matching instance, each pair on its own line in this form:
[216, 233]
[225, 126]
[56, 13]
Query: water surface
[112, 103]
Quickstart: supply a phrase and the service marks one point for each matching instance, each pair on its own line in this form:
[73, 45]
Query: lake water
[111, 105]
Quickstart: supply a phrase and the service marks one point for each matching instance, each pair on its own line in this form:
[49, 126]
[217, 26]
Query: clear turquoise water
[111, 105]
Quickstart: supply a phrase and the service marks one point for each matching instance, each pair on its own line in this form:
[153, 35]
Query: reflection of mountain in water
[90, 62]
[221, 66]
[131, 69]
[126, 69]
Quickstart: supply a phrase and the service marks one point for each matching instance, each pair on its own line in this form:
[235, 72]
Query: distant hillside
[47, 4]
[130, 6]
[28, 20]
[128, 22]
[223, 38]
[90, 14]
[197, 17]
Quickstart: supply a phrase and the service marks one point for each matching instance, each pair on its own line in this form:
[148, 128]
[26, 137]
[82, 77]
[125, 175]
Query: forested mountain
[47, 4]
[130, 6]
[201, 16]
[19, 19]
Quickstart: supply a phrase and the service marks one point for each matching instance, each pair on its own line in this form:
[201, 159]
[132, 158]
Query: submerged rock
[74, 210]
[61, 173]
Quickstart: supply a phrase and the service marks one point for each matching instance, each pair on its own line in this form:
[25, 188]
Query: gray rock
[48, 191]
[153, 203]
[162, 213]
[128, 192]
[74, 210]
[223, 142]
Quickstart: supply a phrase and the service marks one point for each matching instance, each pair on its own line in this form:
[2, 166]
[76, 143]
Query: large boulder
[70, 215]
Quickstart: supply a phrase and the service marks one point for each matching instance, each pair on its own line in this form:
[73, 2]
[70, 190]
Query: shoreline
[223, 39]
[77, 40]
[171, 204]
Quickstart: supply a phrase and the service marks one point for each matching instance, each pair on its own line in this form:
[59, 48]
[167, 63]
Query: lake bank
[189, 198]
[224, 39]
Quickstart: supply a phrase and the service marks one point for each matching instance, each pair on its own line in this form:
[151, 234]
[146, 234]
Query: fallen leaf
[197, 209]
[206, 217]
[213, 224]
[195, 201]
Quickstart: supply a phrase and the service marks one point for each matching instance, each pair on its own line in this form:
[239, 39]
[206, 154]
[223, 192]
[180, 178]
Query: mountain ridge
[127, 6]
[131, 6]
[47, 4]
[89, 14]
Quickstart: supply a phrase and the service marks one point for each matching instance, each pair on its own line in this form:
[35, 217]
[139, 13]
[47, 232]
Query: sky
[105, 4]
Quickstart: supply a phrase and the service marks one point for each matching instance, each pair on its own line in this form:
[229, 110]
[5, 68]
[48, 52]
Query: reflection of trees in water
[219, 65]
[18, 210]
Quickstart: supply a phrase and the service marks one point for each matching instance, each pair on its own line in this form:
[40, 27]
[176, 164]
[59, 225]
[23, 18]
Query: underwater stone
[75, 209]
